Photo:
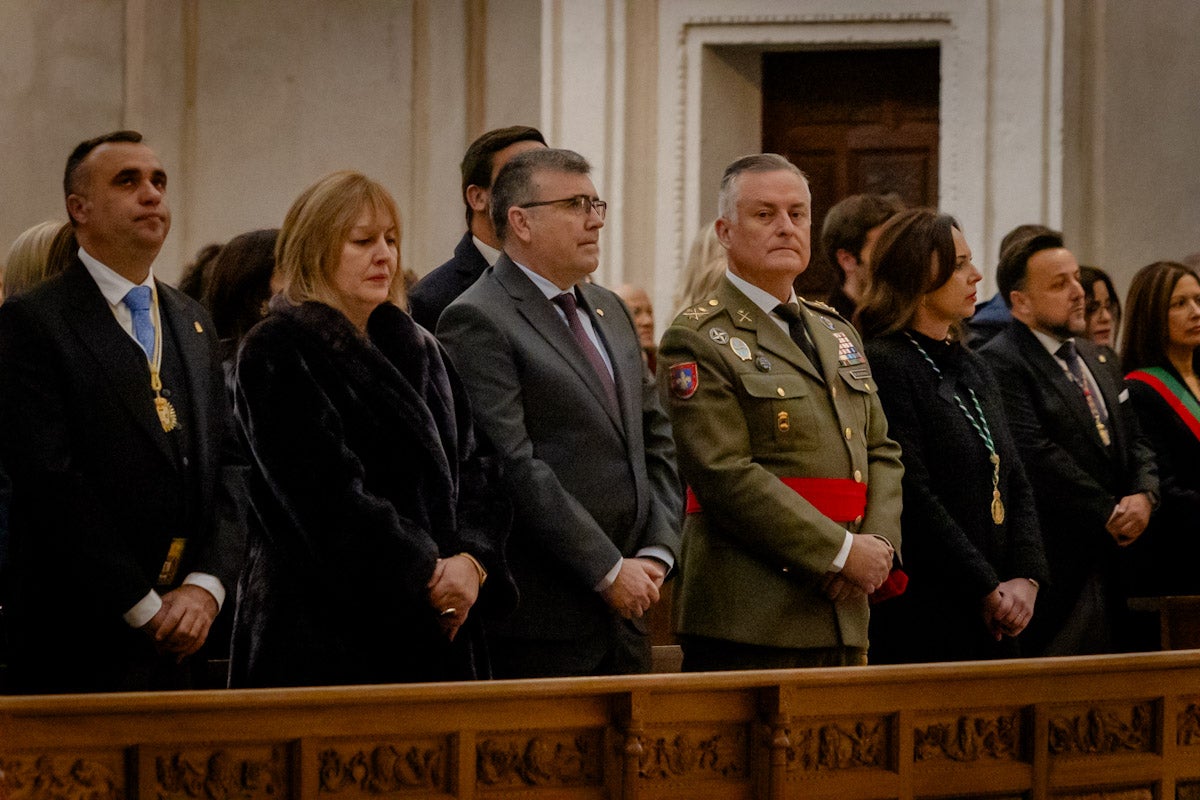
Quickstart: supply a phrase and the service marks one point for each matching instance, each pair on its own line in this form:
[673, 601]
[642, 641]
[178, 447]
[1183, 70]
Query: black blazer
[1076, 479]
[99, 492]
[1163, 559]
[587, 486]
[429, 298]
[954, 552]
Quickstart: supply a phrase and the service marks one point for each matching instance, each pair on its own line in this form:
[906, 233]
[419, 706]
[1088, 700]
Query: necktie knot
[137, 300]
[789, 312]
[566, 301]
[1067, 351]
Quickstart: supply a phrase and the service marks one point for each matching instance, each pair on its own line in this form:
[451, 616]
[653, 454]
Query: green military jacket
[747, 407]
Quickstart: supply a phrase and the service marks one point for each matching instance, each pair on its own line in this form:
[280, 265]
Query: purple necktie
[566, 301]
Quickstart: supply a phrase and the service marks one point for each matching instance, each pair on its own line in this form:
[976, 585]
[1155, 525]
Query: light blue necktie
[138, 302]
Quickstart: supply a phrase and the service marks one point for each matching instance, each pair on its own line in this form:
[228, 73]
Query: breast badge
[740, 348]
[848, 354]
[718, 335]
[685, 379]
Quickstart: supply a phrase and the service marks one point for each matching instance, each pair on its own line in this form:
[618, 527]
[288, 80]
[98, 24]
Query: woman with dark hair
[380, 520]
[972, 546]
[1102, 308]
[1160, 348]
[237, 287]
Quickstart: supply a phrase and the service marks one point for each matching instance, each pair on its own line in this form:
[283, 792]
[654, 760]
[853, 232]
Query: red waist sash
[839, 499]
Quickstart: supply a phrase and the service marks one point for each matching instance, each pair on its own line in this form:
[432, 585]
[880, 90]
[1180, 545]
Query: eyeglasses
[580, 204]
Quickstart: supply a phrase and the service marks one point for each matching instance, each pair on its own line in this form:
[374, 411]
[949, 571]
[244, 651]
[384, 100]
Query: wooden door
[855, 121]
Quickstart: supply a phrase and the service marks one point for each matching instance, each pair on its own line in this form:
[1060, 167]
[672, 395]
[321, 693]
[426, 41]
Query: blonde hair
[704, 270]
[38, 253]
[316, 227]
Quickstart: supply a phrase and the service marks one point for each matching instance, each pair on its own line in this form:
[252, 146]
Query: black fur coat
[366, 471]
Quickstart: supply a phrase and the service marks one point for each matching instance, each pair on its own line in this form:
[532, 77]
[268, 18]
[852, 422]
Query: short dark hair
[514, 184]
[1146, 333]
[847, 223]
[478, 162]
[1014, 259]
[900, 274]
[84, 148]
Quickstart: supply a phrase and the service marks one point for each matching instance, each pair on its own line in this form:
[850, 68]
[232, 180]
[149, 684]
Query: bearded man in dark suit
[1093, 474]
[554, 370]
[127, 502]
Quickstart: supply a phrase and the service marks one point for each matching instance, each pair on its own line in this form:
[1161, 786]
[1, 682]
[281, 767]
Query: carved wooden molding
[67, 777]
[553, 758]
[969, 738]
[1187, 726]
[244, 773]
[1100, 730]
[840, 745]
[384, 767]
[1119, 794]
[720, 753]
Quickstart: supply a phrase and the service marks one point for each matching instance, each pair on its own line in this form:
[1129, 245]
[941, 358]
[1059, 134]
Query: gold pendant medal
[997, 507]
[162, 406]
[166, 414]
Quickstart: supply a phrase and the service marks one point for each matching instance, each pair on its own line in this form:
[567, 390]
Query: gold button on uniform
[858, 520]
[781, 392]
[849, 434]
[833, 392]
[714, 302]
[858, 476]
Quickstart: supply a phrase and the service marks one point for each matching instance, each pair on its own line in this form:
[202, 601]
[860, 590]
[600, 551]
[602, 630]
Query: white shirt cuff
[843, 554]
[209, 583]
[611, 578]
[659, 552]
[144, 611]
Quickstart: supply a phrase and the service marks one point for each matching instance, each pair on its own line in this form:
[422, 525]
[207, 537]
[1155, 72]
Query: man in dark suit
[554, 370]
[479, 247]
[1093, 475]
[126, 517]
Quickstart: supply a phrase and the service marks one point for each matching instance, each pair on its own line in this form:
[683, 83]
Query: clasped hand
[636, 587]
[1009, 607]
[181, 626]
[453, 590]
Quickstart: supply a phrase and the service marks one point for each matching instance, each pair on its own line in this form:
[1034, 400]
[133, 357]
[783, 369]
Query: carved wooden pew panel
[1102, 728]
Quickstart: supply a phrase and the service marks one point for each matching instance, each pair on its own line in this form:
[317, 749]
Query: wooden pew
[1092, 728]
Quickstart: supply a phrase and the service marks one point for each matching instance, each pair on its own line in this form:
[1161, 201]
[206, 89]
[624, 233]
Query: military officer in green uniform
[794, 486]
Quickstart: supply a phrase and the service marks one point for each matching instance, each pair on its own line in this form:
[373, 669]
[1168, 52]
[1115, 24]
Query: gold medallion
[166, 414]
[997, 508]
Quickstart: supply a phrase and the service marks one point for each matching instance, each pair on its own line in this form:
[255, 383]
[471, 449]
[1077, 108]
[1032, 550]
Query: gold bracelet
[478, 566]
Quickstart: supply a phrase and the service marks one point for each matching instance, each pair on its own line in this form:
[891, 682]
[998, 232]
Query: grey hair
[514, 185]
[760, 162]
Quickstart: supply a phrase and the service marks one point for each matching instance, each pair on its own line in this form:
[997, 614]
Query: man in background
[480, 246]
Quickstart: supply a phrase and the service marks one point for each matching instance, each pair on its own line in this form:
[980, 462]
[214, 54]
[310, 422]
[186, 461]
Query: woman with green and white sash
[1160, 349]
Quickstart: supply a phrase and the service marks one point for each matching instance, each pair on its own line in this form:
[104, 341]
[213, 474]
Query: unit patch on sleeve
[685, 379]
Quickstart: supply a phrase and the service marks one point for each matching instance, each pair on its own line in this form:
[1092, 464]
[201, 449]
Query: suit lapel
[195, 358]
[90, 317]
[542, 316]
[614, 329]
[1110, 392]
[1056, 378]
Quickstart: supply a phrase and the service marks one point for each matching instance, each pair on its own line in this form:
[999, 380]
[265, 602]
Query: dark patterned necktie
[790, 313]
[566, 301]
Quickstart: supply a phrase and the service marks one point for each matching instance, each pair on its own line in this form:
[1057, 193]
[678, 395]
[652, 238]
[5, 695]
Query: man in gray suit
[554, 369]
